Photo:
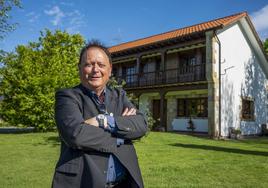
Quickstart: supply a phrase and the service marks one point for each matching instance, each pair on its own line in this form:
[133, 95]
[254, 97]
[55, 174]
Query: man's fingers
[105, 123]
[131, 111]
[125, 112]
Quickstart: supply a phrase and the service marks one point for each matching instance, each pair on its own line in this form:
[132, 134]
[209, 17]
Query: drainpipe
[219, 43]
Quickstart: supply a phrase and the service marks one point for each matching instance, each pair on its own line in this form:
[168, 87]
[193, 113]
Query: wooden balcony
[193, 73]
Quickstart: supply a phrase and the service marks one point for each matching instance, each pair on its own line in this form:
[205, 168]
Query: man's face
[95, 69]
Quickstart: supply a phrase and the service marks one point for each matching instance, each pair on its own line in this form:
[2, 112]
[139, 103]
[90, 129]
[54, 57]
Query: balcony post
[163, 65]
[198, 67]
[138, 60]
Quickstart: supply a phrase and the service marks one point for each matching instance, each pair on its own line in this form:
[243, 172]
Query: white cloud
[30, 13]
[33, 17]
[66, 4]
[260, 21]
[76, 21]
[118, 37]
[72, 21]
[57, 15]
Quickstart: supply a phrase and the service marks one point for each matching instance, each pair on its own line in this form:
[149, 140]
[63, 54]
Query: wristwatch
[100, 118]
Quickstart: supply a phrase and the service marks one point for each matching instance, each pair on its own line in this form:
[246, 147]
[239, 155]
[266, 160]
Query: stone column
[171, 111]
[212, 78]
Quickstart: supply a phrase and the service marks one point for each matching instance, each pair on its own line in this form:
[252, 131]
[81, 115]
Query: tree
[265, 45]
[5, 7]
[31, 75]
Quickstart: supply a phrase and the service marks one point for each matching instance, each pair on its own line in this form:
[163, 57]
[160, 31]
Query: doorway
[156, 114]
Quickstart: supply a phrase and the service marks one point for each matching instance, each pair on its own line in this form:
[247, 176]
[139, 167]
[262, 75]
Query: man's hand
[129, 112]
[93, 121]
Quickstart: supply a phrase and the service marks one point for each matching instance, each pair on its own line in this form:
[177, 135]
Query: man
[97, 125]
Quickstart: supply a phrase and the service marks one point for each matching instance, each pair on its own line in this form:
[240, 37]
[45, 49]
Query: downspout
[219, 43]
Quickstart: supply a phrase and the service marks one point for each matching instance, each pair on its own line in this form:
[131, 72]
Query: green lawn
[166, 160]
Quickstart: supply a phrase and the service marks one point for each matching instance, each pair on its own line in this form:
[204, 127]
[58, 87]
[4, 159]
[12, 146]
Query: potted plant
[191, 125]
[235, 133]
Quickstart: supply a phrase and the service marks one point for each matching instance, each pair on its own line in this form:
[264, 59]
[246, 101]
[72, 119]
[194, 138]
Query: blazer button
[104, 171]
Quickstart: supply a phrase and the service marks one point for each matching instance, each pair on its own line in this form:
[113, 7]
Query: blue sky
[117, 21]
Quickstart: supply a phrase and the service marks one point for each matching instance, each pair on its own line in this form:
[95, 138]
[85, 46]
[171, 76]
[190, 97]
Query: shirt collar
[91, 92]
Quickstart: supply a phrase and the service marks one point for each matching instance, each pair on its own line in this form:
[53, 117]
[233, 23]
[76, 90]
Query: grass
[166, 160]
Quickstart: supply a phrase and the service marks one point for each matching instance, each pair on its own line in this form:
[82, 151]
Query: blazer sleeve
[130, 127]
[73, 131]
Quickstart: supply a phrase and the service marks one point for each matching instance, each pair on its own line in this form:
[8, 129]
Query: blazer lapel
[110, 101]
[89, 107]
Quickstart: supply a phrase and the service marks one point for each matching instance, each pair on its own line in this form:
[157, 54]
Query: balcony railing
[181, 75]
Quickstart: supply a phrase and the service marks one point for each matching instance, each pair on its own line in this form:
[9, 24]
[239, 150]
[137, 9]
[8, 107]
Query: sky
[117, 21]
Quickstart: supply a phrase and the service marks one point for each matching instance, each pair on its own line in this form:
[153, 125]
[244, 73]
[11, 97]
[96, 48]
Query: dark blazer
[85, 149]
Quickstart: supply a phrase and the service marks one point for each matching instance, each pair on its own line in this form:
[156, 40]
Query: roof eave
[187, 37]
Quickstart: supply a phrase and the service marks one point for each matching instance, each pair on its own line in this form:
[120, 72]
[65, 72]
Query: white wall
[181, 124]
[245, 79]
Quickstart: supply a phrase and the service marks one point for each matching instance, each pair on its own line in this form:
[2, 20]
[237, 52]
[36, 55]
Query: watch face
[100, 119]
[101, 116]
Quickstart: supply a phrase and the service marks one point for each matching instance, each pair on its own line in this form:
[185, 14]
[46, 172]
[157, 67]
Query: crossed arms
[82, 134]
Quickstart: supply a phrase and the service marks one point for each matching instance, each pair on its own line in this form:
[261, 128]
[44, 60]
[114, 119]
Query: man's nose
[96, 68]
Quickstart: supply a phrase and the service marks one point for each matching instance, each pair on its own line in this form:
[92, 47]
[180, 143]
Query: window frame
[247, 109]
[201, 107]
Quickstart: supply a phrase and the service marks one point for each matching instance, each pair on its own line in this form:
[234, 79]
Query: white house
[214, 73]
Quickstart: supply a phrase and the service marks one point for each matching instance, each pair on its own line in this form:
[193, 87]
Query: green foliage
[31, 75]
[265, 45]
[5, 7]
[113, 83]
[150, 120]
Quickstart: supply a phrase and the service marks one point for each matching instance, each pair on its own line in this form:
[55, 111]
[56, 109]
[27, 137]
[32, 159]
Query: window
[128, 73]
[143, 68]
[187, 64]
[247, 109]
[195, 107]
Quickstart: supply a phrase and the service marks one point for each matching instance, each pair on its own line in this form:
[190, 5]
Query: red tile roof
[217, 23]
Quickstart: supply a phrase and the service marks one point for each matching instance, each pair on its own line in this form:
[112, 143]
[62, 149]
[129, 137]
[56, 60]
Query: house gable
[243, 77]
[255, 43]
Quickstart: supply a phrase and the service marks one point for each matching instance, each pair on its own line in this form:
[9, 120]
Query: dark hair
[94, 43]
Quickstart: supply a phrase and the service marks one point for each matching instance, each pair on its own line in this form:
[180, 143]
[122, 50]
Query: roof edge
[221, 25]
